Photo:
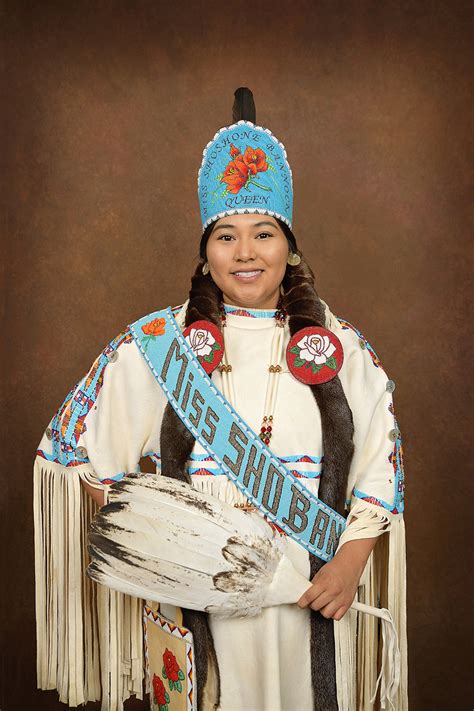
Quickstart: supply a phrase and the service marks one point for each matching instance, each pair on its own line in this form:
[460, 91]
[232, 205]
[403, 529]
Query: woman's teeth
[248, 275]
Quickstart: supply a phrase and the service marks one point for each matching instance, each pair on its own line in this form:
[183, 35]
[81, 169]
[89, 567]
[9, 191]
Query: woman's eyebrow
[224, 227]
[257, 224]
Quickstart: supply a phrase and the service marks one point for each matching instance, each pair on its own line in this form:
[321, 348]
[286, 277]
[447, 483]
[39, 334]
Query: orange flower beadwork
[152, 329]
[155, 327]
[235, 175]
[242, 169]
[255, 159]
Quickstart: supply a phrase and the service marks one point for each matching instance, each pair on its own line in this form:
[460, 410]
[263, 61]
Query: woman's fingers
[318, 597]
[329, 606]
[319, 594]
[330, 609]
[323, 599]
[311, 594]
[328, 594]
[341, 612]
[334, 610]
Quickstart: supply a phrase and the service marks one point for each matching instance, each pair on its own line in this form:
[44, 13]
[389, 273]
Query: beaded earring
[205, 268]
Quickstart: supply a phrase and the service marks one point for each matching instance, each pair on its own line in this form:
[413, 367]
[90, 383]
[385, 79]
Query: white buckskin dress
[112, 419]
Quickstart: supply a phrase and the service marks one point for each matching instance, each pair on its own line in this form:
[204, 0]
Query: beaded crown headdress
[245, 169]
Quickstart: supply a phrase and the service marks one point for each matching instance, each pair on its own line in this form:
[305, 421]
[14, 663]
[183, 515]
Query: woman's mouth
[248, 275]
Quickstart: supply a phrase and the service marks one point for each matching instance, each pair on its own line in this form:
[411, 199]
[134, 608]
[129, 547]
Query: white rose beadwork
[314, 355]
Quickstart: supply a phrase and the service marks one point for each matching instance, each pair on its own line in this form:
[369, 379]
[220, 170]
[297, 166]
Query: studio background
[107, 107]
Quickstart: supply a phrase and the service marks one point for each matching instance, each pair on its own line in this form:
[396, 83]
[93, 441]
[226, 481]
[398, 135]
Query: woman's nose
[245, 250]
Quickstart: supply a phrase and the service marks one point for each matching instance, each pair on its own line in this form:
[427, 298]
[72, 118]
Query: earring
[293, 259]
[205, 268]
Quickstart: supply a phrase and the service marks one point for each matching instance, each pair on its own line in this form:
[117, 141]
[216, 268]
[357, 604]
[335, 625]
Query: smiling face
[247, 256]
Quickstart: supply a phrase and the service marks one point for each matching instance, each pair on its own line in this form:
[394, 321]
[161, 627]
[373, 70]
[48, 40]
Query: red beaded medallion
[314, 355]
[206, 342]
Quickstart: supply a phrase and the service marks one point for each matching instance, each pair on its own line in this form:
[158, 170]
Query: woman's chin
[251, 298]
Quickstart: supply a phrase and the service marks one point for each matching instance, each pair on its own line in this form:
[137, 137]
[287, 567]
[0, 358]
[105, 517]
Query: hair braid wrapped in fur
[304, 308]
[176, 444]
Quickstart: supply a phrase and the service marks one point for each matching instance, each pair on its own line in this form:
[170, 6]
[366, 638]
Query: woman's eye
[229, 238]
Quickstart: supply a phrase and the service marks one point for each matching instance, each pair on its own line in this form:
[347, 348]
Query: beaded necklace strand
[274, 369]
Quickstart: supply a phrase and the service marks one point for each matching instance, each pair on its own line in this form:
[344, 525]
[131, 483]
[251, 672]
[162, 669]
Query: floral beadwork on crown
[241, 169]
[245, 170]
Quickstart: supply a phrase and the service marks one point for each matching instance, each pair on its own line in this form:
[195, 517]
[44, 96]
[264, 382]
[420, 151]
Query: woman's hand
[334, 587]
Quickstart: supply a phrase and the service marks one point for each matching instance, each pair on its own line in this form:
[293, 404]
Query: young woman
[313, 388]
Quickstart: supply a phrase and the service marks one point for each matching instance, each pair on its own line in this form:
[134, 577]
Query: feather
[244, 106]
[162, 540]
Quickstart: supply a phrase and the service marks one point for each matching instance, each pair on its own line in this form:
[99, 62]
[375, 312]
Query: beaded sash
[238, 450]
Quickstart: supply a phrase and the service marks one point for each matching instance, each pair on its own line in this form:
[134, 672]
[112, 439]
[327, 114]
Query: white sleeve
[377, 466]
[111, 418]
[376, 478]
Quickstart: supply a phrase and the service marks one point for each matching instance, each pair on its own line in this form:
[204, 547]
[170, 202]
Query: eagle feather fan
[162, 540]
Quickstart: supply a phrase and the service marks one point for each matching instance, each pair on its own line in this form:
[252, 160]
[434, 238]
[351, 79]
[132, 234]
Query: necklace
[274, 369]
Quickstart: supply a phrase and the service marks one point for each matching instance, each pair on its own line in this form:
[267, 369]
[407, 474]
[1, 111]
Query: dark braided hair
[304, 308]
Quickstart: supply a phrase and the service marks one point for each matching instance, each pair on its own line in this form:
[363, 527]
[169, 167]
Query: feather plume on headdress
[244, 106]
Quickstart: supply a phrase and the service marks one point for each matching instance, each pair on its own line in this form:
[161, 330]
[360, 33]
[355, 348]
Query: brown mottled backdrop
[107, 107]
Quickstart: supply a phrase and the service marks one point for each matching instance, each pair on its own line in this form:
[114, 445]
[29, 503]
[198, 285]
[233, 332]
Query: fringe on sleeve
[361, 653]
[89, 638]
